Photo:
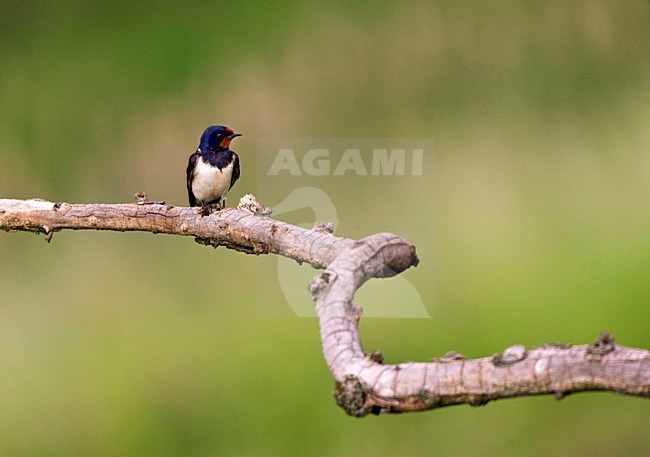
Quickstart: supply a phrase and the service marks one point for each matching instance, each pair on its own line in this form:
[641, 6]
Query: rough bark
[363, 383]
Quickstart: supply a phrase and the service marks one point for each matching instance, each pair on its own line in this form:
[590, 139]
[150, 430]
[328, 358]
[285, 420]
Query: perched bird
[213, 169]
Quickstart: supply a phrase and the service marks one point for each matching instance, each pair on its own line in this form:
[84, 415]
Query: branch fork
[364, 384]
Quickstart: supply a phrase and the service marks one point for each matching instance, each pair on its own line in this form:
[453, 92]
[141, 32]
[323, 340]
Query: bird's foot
[211, 208]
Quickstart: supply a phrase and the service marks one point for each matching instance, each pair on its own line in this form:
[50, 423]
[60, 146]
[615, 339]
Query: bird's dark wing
[190, 177]
[235, 170]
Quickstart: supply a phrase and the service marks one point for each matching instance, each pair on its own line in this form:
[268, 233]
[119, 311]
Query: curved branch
[363, 383]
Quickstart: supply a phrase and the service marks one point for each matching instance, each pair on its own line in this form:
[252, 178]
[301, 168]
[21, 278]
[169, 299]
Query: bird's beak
[233, 135]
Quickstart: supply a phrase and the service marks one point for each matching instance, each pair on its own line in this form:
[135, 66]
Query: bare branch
[244, 228]
[363, 383]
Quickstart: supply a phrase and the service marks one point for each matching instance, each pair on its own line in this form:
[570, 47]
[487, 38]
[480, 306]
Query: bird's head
[217, 137]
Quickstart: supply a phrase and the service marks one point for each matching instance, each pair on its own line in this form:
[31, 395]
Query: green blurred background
[531, 221]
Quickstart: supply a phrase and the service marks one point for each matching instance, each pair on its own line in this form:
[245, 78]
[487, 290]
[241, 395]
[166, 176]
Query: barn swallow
[213, 169]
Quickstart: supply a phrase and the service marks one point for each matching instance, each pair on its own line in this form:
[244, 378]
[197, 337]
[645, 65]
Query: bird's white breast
[209, 182]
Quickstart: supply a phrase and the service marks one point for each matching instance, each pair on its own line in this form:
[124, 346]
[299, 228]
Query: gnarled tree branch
[363, 383]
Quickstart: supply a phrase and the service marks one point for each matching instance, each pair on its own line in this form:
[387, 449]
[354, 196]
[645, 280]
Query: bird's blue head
[217, 137]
